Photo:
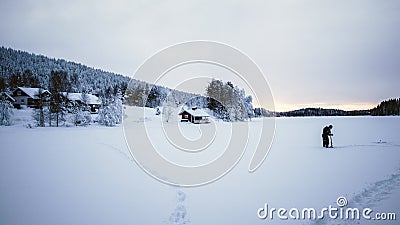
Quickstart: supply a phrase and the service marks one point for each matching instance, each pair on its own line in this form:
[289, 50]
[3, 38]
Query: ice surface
[86, 175]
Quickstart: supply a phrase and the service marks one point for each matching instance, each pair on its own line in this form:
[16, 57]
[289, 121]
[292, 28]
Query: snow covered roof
[32, 92]
[7, 96]
[93, 99]
[195, 112]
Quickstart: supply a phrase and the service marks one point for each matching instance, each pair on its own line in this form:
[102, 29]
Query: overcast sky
[343, 54]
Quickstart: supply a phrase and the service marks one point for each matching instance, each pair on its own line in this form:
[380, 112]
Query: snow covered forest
[19, 68]
[60, 77]
[22, 69]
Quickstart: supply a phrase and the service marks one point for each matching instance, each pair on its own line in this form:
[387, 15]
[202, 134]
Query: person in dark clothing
[326, 132]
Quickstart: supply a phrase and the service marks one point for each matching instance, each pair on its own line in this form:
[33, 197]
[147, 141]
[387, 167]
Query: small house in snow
[91, 100]
[194, 115]
[28, 96]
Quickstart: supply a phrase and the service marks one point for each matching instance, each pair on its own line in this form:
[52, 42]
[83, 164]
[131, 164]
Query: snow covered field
[86, 175]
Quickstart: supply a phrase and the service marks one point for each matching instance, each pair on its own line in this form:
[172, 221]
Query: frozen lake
[86, 175]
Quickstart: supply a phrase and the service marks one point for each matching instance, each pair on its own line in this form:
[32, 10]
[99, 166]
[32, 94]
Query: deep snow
[85, 175]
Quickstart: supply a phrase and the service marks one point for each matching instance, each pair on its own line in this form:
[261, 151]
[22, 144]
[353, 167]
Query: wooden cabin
[194, 115]
[25, 96]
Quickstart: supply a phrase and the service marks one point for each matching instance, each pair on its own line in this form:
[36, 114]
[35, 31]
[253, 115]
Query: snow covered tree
[228, 102]
[20, 68]
[137, 94]
[5, 112]
[169, 107]
[29, 79]
[249, 107]
[236, 102]
[155, 97]
[110, 112]
[216, 99]
[85, 109]
[197, 101]
[15, 80]
[80, 115]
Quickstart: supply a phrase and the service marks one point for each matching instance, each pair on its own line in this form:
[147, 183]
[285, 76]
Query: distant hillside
[19, 68]
[389, 107]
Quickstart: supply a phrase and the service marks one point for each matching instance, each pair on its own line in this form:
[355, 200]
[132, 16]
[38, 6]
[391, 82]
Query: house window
[18, 93]
[185, 116]
[22, 100]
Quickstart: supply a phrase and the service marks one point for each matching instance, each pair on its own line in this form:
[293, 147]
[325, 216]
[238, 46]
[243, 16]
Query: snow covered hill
[86, 175]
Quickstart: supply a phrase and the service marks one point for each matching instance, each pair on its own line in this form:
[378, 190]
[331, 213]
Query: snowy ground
[85, 175]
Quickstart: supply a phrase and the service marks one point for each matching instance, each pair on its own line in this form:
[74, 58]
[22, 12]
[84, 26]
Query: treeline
[389, 107]
[143, 94]
[322, 112]
[261, 112]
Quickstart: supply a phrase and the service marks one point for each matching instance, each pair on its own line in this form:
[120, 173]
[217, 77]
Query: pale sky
[342, 54]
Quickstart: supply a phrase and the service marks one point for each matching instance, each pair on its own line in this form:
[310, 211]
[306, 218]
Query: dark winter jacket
[326, 132]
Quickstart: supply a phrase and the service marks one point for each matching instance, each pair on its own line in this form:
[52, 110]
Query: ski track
[369, 197]
[119, 151]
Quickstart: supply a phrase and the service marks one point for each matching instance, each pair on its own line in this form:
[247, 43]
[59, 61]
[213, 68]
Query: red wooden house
[194, 115]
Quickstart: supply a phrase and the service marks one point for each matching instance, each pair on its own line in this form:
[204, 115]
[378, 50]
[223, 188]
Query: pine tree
[58, 84]
[387, 107]
[5, 112]
[110, 112]
[20, 68]
[228, 102]
[39, 112]
[249, 107]
[216, 99]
